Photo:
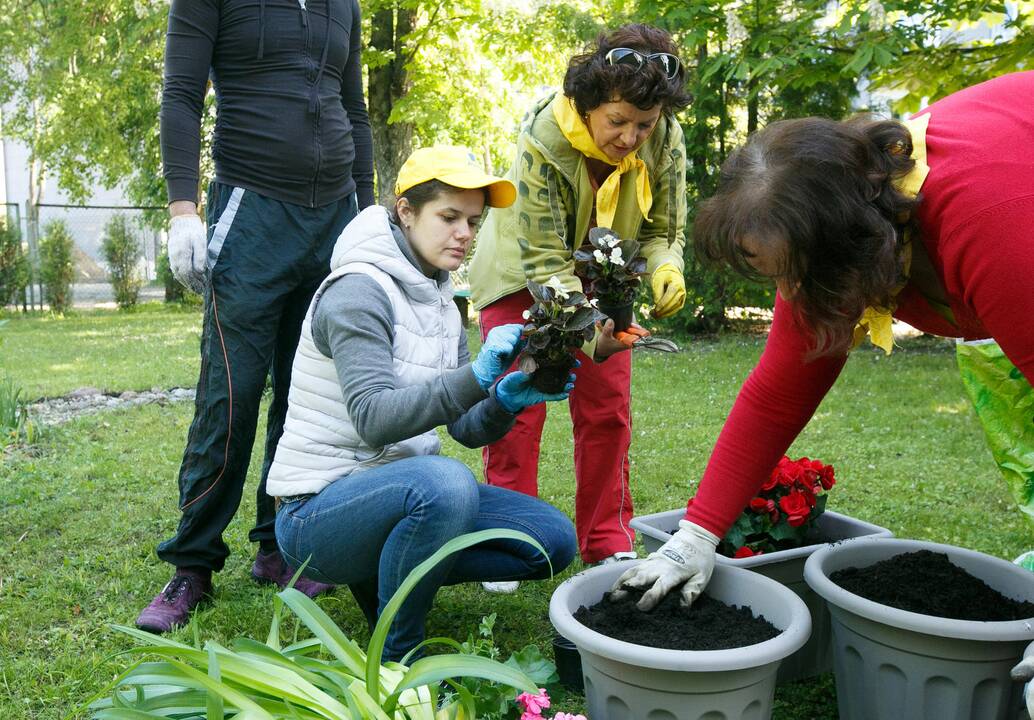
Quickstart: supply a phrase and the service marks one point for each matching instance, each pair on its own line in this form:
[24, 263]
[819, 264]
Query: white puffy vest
[320, 442]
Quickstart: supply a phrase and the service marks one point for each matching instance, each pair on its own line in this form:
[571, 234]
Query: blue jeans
[369, 529]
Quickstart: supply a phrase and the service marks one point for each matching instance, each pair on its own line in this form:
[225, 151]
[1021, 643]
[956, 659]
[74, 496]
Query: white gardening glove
[1024, 672]
[188, 251]
[688, 557]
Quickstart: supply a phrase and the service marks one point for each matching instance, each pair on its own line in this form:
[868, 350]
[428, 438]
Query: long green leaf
[447, 641]
[432, 670]
[246, 647]
[320, 625]
[245, 704]
[126, 714]
[259, 676]
[150, 638]
[216, 710]
[376, 646]
[273, 639]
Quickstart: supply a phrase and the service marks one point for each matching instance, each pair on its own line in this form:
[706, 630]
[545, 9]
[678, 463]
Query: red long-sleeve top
[976, 218]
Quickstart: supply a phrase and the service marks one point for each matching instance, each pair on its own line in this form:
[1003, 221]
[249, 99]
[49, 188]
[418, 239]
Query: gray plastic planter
[624, 681]
[786, 567]
[891, 664]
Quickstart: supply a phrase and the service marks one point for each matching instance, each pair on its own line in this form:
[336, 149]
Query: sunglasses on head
[627, 56]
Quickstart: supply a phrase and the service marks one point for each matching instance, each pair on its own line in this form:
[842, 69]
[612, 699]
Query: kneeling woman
[382, 361]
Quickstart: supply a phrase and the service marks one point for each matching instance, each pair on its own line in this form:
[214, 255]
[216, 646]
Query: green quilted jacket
[536, 236]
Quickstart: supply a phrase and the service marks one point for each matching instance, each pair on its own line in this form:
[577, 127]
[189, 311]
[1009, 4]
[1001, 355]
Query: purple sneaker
[271, 568]
[173, 605]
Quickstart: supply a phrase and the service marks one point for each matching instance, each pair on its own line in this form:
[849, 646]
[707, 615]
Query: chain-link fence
[87, 226]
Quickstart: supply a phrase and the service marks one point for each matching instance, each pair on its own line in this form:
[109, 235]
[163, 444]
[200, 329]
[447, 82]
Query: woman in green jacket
[605, 152]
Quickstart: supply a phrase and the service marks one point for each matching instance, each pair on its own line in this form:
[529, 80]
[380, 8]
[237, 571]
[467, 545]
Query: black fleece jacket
[291, 121]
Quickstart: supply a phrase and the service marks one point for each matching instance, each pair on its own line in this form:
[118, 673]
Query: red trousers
[601, 412]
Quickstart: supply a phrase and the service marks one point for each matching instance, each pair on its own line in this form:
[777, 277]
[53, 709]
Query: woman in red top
[931, 221]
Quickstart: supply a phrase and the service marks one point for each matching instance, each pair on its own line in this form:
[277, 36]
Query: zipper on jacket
[317, 150]
[317, 145]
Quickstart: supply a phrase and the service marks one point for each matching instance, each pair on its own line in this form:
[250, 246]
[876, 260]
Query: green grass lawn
[80, 514]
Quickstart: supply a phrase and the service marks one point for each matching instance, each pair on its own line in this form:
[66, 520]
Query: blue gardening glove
[497, 353]
[515, 392]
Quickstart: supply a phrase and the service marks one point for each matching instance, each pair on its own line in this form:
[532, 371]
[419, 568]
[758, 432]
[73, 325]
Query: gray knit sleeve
[354, 325]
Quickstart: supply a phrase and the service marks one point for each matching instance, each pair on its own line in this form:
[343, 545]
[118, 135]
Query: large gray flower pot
[624, 681]
[894, 665]
[786, 567]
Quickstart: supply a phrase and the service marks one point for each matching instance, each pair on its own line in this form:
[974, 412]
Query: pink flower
[567, 716]
[533, 704]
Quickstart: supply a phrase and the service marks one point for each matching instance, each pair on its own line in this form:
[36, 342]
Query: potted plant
[635, 682]
[325, 676]
[558, 323]
[774, 536]
[892, 663]
[611, 270]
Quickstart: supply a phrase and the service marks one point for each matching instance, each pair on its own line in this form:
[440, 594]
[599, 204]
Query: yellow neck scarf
[876, 322]
[576, 132]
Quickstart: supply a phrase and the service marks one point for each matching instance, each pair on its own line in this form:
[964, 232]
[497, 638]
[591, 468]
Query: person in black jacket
[293, 165]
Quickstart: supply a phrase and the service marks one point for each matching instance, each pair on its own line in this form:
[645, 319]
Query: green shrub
[57, 267]
[14, 265]
[121, 249]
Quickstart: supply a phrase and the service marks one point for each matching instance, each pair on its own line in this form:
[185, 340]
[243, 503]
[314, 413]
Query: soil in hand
[707, 625]
[929, 583]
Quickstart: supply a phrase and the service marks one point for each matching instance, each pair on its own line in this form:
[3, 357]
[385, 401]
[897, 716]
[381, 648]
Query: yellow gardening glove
[669, 290]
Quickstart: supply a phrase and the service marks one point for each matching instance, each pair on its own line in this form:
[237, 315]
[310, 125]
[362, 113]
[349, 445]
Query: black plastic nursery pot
[622, 314]
[552, 378]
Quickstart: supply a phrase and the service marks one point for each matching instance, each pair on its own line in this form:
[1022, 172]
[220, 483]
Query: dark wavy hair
[823, 190]
[590, 81]
[423, 193]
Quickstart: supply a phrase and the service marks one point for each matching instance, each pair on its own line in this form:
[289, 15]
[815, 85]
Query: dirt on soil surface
[707, 625]
[929, 583]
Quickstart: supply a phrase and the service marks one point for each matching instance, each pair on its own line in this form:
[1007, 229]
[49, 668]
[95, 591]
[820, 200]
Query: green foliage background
[83, 80]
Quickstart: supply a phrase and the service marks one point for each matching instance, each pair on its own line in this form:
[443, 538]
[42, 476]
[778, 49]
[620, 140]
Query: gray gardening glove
[687, 559]
[1024, 672]
[188, 251]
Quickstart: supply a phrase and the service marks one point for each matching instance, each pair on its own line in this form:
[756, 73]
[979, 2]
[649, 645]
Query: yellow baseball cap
[456, 166]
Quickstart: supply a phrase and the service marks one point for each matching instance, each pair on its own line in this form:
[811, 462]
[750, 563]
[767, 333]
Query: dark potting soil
[708, 624]
[929, 583]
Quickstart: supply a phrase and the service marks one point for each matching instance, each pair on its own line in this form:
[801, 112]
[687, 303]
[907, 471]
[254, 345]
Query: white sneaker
[504, 587]
[618, 557]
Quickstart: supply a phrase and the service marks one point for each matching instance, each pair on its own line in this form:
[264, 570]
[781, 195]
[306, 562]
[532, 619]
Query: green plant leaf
[319, 623]
[535, 665]
[215, 707]
[442, 667]
[380, 632]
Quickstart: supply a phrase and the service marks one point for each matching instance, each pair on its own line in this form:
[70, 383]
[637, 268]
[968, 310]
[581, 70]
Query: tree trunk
[392, 142]
[37, 182]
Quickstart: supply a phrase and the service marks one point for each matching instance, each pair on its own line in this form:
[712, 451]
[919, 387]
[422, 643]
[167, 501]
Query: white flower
[600, 257]
[615, 256]
[594, 303]
[734, 29]
[557, 286]
[611, 240]
[526, 314]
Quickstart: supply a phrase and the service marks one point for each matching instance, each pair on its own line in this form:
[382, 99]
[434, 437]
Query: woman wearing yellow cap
[382, 361]
[606, 152]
